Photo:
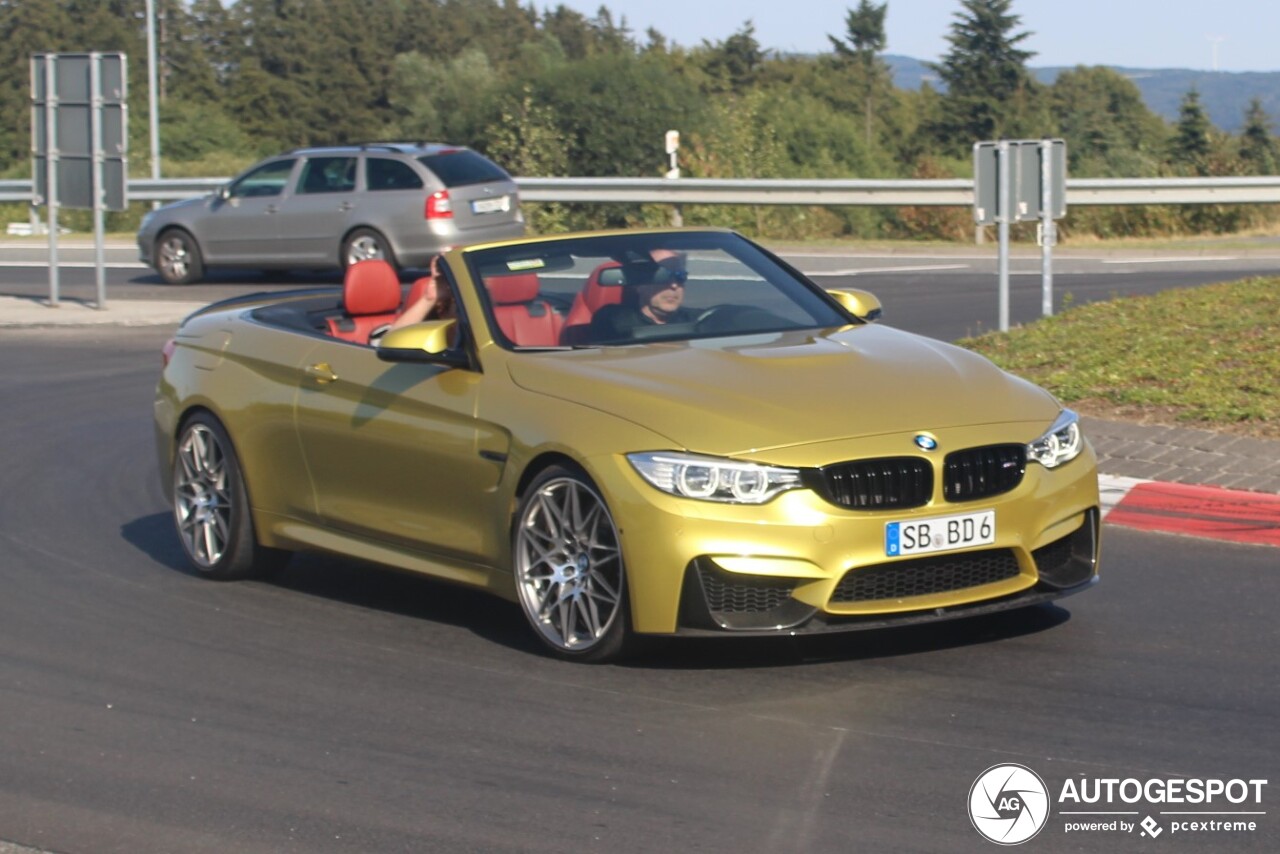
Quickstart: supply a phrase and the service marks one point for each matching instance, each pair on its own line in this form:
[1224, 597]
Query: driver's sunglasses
[678, 278]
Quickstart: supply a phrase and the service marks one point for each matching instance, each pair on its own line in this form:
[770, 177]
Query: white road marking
[862, 271]
[1198, 258]
[78, 265]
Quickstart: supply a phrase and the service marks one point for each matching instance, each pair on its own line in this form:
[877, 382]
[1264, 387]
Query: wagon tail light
[166, 352]
[439, 206]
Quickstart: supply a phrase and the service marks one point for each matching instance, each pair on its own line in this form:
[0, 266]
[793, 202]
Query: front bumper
[714, 602]
[799, 564]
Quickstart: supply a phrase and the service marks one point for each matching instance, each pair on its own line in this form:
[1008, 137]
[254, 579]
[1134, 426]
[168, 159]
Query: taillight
[166, 352]
[439, 206]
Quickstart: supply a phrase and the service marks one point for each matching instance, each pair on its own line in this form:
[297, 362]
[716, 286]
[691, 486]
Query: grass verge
[1201, 357]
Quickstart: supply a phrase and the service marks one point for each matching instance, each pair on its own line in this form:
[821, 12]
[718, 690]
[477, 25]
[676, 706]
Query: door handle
[272, 209]
[321, 373]
[346, 206]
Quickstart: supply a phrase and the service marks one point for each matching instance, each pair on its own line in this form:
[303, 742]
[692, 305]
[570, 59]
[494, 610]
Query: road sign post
[1018, 181]
[79, 143]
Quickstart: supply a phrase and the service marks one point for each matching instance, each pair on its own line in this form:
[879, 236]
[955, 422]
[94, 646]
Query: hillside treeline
[553, 92]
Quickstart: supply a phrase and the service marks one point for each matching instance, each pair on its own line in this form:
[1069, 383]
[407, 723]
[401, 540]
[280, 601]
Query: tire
[363, 244]
[568, 568]
[178, 259]
[211, 505]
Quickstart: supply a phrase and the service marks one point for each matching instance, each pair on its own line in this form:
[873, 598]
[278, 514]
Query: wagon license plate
[940, 533]
[483, 206]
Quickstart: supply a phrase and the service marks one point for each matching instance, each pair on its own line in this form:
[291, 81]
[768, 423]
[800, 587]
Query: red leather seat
[589, 300]
[526, 320]
[370, 300]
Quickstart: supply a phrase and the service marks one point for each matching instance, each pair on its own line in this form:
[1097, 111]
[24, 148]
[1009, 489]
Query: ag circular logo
[925, 442]
[1008, 804]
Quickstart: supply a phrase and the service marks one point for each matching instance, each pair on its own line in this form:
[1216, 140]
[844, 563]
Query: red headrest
[371, 287]
[513, 289]
[596, 295]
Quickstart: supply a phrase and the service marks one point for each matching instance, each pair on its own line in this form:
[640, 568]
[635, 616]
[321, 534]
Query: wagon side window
[268, 179]
[383, 173]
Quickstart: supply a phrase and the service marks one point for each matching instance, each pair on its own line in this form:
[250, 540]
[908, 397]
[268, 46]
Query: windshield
[623, 290]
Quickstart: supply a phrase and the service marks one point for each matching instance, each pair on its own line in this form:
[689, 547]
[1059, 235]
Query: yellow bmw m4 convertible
[667, 432]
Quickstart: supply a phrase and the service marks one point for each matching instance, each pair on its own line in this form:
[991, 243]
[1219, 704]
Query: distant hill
[1225, 95]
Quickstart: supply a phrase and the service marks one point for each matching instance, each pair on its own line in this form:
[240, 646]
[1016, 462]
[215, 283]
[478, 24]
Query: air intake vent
[728, 593]
[923, 576]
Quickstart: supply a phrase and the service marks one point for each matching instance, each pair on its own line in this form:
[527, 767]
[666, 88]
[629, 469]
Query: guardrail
[952, 192]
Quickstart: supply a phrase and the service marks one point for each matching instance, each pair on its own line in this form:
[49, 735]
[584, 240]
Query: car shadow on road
[371, 586]
[865, 645]
[356, 583]
[154, 536]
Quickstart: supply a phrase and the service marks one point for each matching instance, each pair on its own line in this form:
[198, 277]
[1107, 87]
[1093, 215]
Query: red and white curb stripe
[1199, 511]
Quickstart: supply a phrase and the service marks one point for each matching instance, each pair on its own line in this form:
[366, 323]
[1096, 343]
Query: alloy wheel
[364, 247]
[569, 566]
[202, 502]
[175, 258]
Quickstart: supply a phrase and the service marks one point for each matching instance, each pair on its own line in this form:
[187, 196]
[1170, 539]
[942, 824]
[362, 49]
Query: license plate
[940, 533]
[483, 206]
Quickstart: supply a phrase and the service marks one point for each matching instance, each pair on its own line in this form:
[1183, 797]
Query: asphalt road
[343, 708]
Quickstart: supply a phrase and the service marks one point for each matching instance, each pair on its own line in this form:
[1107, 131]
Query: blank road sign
[1024, 199]
[69, 93]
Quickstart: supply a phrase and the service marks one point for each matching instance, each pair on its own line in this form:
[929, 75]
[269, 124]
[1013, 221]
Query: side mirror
[863, 305]
[224, 192]
[422, 342]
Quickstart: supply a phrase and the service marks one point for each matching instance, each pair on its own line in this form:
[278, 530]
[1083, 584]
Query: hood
[185, 203]
[744, 394]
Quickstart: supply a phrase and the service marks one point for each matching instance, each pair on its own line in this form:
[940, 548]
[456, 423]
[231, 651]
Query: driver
[654, 303]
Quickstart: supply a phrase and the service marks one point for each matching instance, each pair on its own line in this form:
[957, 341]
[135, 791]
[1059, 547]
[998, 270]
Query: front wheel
[211, 505]
[178, 259]
[568, 567]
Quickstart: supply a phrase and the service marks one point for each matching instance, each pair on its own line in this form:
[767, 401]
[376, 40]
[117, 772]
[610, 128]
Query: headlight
[713, 478]
[1061, 444]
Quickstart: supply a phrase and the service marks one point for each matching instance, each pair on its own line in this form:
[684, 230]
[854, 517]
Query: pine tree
[1191, 144]
[1258, 148]
[989, 93]
[864, 41]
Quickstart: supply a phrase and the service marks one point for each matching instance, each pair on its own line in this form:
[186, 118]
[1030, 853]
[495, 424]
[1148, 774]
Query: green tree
[26, 27]
[274, 88]
[1108, 129]
[860, 50]
[1258, 148]
[989, 93]
[1190, 148]
[734, 63]
[527, 142]
[193, 52]
[613, 109]
[740, 142]
[444, 100]
[570, 28]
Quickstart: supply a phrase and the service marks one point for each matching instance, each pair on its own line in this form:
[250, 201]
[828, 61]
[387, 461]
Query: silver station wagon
[321, 208]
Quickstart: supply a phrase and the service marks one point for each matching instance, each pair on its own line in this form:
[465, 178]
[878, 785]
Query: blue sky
[1243, 34]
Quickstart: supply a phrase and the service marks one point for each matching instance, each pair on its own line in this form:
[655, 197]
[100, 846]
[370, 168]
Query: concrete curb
[29, 312]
